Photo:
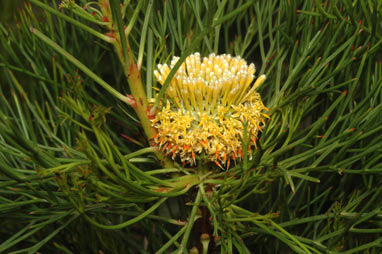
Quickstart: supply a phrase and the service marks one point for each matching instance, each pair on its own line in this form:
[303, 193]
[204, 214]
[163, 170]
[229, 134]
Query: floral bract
[207, 105]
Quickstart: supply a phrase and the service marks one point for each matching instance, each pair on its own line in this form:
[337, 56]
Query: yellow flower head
[208, 103]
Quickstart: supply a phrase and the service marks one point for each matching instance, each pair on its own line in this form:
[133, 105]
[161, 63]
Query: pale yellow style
[205, 107]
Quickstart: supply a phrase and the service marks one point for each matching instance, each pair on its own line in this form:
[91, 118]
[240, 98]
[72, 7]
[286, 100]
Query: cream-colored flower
[205, 108]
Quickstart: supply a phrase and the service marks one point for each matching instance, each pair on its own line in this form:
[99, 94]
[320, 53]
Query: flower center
[208, 103]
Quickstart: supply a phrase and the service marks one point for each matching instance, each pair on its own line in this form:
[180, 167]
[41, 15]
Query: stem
[190, 223]
[133, 75]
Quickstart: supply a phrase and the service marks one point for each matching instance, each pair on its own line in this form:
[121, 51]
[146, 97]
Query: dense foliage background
[77, 174]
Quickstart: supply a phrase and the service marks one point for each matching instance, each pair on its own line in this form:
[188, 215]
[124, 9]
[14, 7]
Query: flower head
[207, 105]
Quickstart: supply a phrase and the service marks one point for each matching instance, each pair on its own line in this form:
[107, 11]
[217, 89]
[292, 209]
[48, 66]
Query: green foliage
[77, 174]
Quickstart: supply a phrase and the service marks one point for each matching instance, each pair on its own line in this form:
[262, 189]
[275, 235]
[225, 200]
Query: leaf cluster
[77, 174]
